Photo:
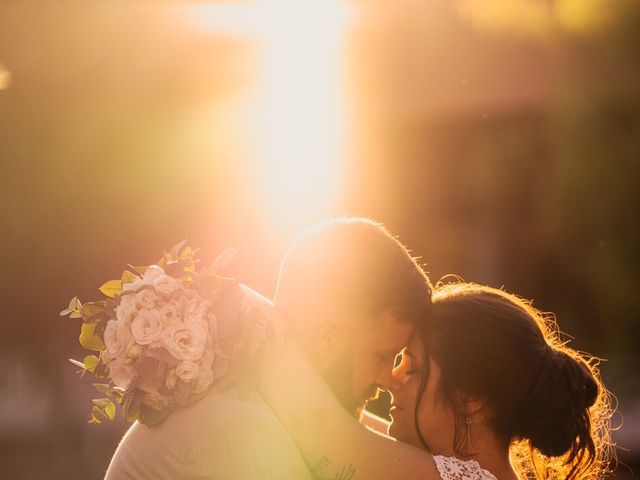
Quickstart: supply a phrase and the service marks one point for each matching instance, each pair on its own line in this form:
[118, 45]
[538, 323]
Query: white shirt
[229, 435]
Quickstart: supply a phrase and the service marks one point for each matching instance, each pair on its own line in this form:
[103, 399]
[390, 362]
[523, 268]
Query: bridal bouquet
[164, 334]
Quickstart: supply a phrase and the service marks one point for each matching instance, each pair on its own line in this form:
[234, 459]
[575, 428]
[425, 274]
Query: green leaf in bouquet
[138, 270]
[78, 364]
[73, 310]
[98, 415]
[173, 268]
[88, 339]
[110, 410]
[91, 362]
[175, 250]
[166, 258]
[103, 388]
[112, 288]
[189, 254]
[103, 409]
[90, 310]
[101, 402]
[111, 391]
[128, 277]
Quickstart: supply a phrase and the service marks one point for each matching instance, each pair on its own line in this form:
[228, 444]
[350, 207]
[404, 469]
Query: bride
[485, 390]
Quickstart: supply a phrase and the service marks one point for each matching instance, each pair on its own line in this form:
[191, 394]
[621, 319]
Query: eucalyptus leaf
[97, 415]
[110, 410]
[90, 309]
[128, 277]
[175, 250]
[91, 362]
[74, 304]
[88, 339]
[103, 388]
[112, 288]
[139, 270]
[101, 402]
[76, 363]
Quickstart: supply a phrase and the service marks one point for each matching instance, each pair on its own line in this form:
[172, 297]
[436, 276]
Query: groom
[352, 294]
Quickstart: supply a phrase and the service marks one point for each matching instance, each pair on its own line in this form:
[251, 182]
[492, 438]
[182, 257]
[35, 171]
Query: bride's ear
[329, 339]
[472, 404]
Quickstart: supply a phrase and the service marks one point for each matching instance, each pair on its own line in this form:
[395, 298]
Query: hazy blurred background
[500, 139]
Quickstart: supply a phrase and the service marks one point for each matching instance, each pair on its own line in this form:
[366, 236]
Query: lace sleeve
[451, 468]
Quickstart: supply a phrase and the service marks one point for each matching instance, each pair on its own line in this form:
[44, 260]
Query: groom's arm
[249, 443]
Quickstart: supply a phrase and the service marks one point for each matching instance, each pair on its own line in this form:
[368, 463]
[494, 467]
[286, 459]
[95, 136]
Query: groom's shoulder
[236, 412]
[229, 433]
[241, 428]
[235, 401]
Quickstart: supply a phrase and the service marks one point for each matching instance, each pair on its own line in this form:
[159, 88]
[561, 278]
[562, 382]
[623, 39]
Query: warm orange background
[499, 139]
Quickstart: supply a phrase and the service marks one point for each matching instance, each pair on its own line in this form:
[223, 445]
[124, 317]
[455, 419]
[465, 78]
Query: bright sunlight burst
[298, 110]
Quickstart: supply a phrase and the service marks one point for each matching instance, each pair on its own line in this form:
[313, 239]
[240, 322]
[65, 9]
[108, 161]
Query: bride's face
[435, 418]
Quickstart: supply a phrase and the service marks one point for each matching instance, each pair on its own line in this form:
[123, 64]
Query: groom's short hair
[355, 263]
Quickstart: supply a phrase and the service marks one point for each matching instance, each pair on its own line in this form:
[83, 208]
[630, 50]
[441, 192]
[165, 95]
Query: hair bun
[556, 418]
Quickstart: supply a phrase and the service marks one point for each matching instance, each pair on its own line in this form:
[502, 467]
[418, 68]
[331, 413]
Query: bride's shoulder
[452, 468]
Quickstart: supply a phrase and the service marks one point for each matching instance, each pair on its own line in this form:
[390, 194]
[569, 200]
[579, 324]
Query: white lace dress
[451, 468]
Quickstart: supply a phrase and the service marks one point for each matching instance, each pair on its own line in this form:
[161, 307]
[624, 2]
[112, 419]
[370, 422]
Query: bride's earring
[468, 421]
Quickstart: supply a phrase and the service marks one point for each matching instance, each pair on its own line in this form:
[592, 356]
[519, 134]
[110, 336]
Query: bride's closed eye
[404, 366]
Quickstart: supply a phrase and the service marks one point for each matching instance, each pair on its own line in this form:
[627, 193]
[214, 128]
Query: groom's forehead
[387, 328]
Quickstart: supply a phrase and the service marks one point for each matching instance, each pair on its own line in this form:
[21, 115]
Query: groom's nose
[384, 379]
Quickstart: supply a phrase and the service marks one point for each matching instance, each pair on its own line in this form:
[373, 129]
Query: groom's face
[366, 361]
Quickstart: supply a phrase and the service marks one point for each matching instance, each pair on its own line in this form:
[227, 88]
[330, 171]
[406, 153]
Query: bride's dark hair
[544, 399]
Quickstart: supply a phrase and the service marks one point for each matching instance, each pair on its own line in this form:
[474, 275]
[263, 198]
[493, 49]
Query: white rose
[165, 284]
[146, 298]
[189, 301]
[147, 326]
[127, 308]
[204, 380]
[198, 317]
[169, 314]
[155, 400]
[171, 379]
[195, 309]
[133, 286]
[121, 374]
[152, 273]
[117, 338]
[134, 351]
[187, 370]
[185, 341]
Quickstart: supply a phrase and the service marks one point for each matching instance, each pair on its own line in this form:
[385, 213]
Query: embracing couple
[482, 386]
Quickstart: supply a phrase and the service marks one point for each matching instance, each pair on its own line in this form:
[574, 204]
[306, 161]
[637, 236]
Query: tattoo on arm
[344, 473]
